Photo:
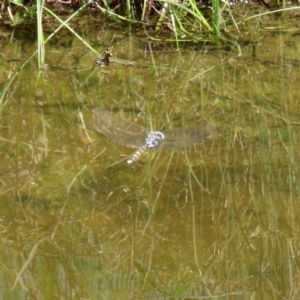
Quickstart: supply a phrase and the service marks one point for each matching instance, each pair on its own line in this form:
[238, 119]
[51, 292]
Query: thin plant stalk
[268, 13]
[41, 41]
[114, 15]
[193, 12]
[164, 12]
[175, 30]
[216, 15]
[129, 11]
[64, 23]
[5, 89]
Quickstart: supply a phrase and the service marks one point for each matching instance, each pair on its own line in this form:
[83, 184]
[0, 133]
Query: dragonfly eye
[154, 138]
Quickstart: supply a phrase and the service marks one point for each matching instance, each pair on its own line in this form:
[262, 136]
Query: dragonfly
[136, 136]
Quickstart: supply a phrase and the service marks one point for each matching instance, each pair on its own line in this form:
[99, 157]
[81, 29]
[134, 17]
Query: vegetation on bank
[218, 22]
[167, 20]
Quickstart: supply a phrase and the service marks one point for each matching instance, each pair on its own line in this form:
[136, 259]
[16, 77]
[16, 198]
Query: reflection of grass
[243, 228]
[218, 219]
[5, 87]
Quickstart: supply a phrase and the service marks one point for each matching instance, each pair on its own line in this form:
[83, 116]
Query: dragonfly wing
[117, 129]
[180, 137]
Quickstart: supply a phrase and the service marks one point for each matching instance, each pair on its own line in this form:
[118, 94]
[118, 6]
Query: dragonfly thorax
[154, 138]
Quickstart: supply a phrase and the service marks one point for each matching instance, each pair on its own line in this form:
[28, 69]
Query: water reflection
[218, 219]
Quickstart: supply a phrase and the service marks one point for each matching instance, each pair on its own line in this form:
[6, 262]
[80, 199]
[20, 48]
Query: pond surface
[218, 220]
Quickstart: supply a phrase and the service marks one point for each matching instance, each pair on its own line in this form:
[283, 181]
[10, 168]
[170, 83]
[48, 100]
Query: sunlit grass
[185, 21]
[41, 45]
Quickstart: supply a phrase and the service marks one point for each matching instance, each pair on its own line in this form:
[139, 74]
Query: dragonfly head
[154, 138]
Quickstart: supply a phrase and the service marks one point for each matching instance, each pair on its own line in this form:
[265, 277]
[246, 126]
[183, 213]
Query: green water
[212, 221]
